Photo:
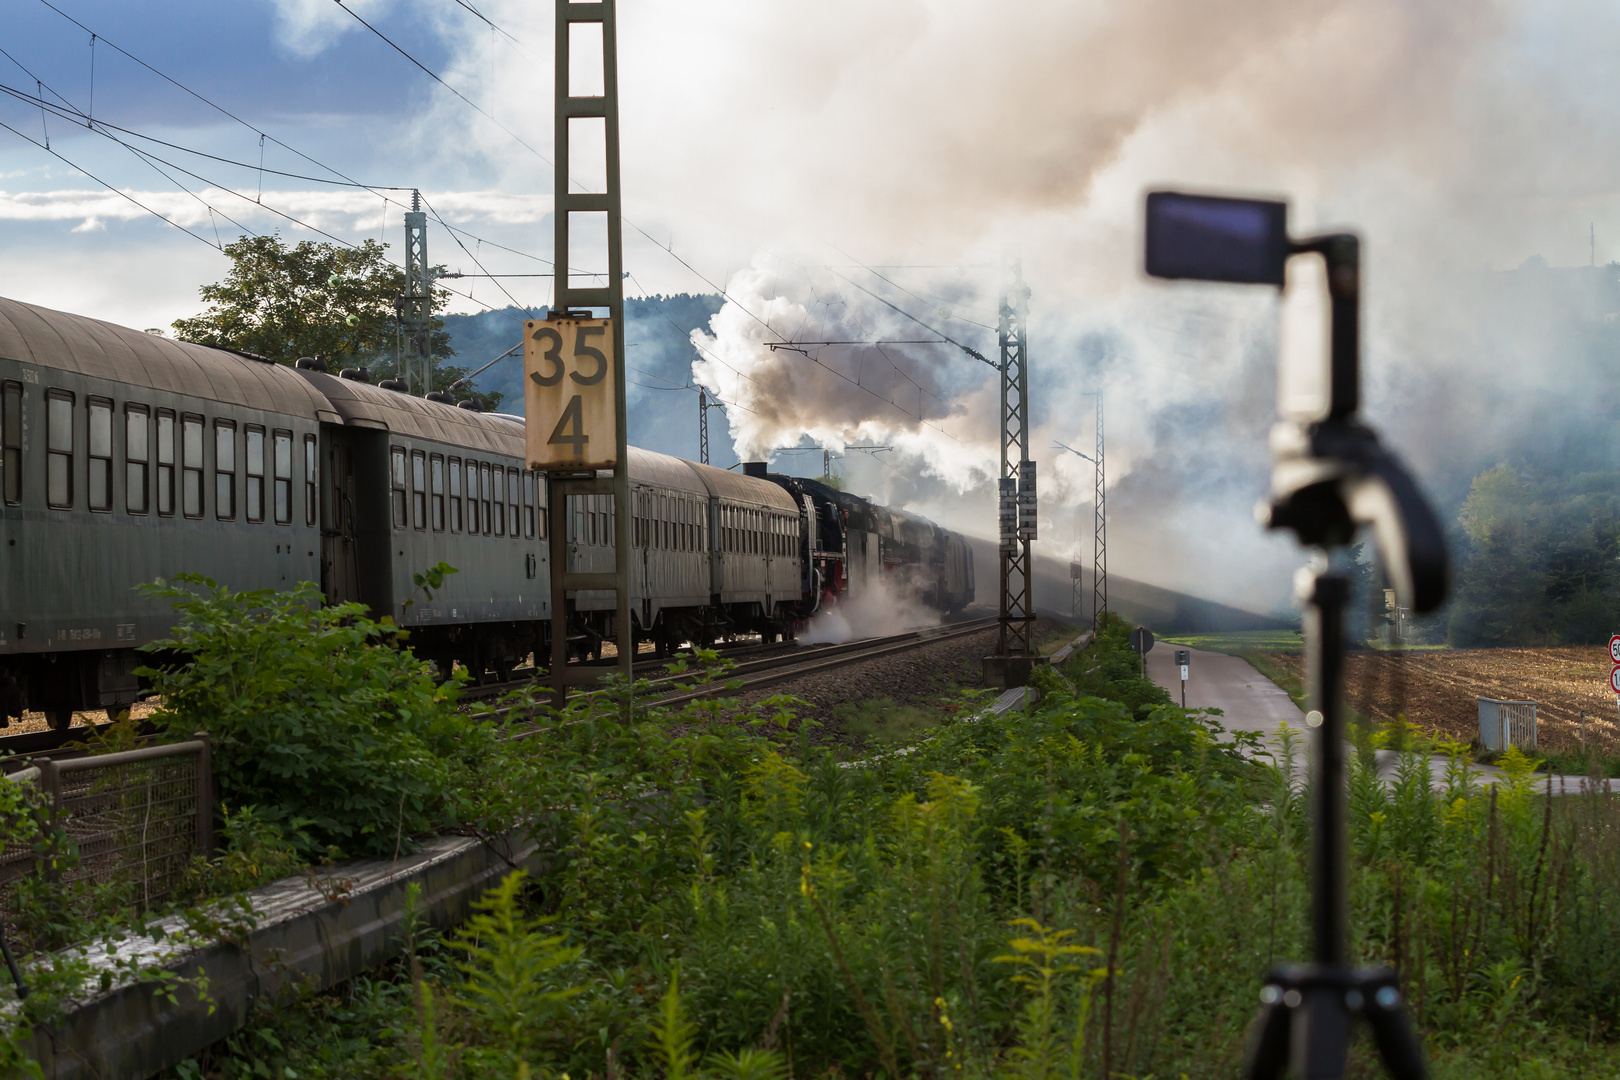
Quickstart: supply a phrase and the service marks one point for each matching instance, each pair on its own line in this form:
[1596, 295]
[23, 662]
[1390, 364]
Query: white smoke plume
[882, 609]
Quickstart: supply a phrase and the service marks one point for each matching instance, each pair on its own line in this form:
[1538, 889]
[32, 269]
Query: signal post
[574, 406]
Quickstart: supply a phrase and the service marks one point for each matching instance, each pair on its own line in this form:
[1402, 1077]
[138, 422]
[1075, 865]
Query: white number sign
[570, 396]
[1614, 648]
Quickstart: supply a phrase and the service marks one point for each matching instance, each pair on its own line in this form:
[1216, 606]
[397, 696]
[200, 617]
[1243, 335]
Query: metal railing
[136, 817]
[1507, 723]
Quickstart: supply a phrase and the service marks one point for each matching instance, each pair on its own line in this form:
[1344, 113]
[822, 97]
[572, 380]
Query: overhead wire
[432, 75]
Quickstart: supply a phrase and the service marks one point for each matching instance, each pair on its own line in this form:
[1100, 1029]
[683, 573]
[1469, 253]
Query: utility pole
[826, 463]
[562, 486]
[703, 427]
[1099, 529]
[416, 305]
[1015, 647]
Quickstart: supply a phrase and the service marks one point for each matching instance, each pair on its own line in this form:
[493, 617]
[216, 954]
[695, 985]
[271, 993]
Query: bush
[336, 734]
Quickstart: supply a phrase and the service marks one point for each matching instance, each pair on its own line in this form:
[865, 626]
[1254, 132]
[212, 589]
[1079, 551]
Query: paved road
[1251, 702]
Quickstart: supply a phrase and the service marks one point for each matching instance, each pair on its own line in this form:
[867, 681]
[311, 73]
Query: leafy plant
[332, 733]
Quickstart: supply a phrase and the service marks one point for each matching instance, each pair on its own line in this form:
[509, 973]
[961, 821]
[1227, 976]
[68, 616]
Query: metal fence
[1505, 723]
[136, 817]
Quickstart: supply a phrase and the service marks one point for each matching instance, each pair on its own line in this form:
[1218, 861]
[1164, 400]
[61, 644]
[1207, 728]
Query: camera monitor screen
[1209, 238]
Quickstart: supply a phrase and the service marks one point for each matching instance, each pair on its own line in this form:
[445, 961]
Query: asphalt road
[1251, 702]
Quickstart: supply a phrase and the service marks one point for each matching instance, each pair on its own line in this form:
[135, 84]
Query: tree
[316, 299]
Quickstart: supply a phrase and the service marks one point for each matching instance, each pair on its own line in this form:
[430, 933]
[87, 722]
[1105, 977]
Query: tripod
[1330, 476]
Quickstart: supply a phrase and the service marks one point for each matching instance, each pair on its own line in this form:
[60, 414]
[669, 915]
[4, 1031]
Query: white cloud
[310, 27]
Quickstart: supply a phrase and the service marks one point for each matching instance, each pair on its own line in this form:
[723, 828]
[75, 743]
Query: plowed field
[1438, 691]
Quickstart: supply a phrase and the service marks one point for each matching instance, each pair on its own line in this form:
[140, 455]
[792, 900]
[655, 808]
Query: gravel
[917, 677]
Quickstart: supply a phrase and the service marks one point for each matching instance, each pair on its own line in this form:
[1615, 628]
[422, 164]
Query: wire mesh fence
[135, 818]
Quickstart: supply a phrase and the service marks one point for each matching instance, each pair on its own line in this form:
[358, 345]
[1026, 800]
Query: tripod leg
[1267, 1056]
[11, 963]
[1397, 1047]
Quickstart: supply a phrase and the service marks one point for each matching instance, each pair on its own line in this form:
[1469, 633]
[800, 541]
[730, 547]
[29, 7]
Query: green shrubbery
[334, 736]
[1092, 887]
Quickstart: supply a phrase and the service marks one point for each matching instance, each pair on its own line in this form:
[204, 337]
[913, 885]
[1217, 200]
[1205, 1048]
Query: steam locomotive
[127, 456]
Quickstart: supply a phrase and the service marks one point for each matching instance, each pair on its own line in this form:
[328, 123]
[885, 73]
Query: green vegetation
[1093, 887]
[336, 739]
[1539, 558]
[1239, 642]
[315, 299]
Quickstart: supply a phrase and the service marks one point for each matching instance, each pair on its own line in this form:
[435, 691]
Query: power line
[430, 74]
[103, 183]
[943, 336]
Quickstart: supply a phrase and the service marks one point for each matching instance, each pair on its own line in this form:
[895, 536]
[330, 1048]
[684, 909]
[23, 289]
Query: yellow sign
[570, 398]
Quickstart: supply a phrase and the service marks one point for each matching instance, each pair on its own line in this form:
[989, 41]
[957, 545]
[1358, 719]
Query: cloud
[353, 213]
[308, 28]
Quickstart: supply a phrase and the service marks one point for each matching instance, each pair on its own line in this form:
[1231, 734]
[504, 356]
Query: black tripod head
[1330, 477]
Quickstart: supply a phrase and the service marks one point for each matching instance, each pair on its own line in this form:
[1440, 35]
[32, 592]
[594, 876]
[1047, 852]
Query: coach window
[396, 477]
[514, 488]
[253, 438]
[59, 449]
[310, 460]
[191, 465]
[455, 494]
[486, 496]
[541, 503]
[495, 488]
[281, 459]
[137, 456]
[436, 478]
[473, 520]
[11, 441]
[165, 463]
[100, 470]
[528, 504]
[419, 489]
[225, 470]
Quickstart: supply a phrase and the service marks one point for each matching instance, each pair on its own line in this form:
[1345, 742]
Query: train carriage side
[755, 548]
[412, 483]
[124, 457]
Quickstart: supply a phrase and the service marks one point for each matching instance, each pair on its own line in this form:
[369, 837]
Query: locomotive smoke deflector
[1329, 476]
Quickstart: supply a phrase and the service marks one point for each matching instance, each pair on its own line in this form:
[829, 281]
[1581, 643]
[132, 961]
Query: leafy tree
[1540, 559]
[315, 299]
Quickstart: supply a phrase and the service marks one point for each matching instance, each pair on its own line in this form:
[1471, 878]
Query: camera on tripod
[1330, 477]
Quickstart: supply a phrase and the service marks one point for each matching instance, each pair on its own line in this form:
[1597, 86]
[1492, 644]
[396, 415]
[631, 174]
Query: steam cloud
[1456, 138]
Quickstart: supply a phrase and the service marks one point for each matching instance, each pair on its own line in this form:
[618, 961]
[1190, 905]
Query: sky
[819, 165]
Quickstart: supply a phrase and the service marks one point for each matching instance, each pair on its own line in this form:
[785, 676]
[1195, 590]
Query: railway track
[756, 667]
[793, 663]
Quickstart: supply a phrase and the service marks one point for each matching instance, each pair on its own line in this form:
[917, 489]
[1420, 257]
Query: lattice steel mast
[564, 579]
[1099, 527]
[1016, 489]
[416, 304]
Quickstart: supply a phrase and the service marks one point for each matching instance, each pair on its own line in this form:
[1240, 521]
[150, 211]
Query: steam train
[126, 456]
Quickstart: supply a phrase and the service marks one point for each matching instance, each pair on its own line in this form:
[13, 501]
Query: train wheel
[59, 719]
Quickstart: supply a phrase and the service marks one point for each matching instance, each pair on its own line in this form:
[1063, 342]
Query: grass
[883, 722]
[1239, 642]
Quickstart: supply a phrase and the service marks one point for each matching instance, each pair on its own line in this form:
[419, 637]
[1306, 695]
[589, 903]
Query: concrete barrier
[317, 932]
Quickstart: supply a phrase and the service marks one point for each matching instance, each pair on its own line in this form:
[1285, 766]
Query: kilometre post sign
[570, 397]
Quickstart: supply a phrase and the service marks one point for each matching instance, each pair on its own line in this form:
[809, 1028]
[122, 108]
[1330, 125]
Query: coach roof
[363, 405]
[102, 350]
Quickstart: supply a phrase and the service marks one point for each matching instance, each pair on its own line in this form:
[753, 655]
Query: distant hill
[658, 356]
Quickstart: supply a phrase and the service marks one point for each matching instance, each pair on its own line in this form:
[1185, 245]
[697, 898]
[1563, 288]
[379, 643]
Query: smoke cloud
[762, 143]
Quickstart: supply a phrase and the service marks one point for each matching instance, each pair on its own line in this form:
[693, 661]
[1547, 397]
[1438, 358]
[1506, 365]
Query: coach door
[340, 577]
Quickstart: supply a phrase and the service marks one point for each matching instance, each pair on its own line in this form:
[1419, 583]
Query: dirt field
[1438, 690]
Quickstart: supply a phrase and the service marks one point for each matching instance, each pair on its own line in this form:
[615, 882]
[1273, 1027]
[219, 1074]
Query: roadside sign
[1184, 657]
[1614, 648]
[1614, 680]
[1183, 672]
[1142, 640]
[570, 397]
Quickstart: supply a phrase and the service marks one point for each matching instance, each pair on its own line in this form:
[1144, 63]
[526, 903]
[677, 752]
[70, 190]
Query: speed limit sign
[1614, 680]
[569, 394]
[1614, 648]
